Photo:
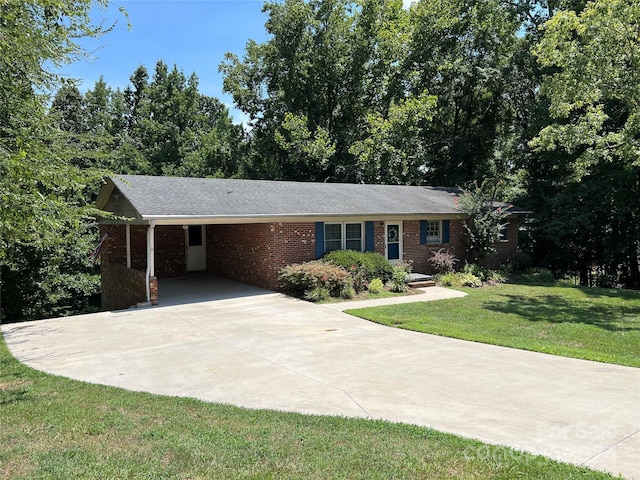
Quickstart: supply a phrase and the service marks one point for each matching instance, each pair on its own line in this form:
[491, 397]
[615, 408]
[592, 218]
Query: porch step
[418, 280]
[421, 284]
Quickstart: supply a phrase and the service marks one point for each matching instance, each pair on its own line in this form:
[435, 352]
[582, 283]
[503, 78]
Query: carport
[203, 287]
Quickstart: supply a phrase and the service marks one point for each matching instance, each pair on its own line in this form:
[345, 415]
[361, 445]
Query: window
[332, 237]
[342, 236]
[353, 236]
[433, 231]
[504, 237]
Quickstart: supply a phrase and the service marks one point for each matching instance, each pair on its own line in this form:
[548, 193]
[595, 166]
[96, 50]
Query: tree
[592, 59]
[325, 67]
[485, 222]
[41, 196]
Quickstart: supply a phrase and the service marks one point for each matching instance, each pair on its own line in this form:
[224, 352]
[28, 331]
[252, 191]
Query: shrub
[397, 283]
[520, 261]
[449, 279]
[469, 280]
[539, 275]
[302, 280]
[485, 275]
[316, 294]
[443, 261]
[363, 266]
[453, 279]
[376, 285]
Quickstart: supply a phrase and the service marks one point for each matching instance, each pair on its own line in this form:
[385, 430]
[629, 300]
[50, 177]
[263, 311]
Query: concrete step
[421, 284]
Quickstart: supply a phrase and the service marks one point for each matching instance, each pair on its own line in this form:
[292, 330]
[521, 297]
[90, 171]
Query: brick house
[247, 230]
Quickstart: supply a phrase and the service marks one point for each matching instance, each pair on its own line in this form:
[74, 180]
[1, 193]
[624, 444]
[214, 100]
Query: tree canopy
[536, 100]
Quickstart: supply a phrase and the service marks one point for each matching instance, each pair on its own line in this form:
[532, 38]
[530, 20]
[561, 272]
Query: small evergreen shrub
[302, 280]
[363, 266]
[376, 286]
[443, 261]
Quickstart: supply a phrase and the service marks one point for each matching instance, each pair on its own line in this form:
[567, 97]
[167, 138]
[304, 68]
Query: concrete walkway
[271, 351]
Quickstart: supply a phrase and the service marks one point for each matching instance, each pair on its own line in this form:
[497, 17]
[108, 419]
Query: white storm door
[393, 241]
[196, 248]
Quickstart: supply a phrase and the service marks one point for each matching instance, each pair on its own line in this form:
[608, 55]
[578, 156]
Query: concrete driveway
[266, 350]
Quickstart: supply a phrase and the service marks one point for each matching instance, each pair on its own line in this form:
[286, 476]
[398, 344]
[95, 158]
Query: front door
[196, 248]
[393, 246]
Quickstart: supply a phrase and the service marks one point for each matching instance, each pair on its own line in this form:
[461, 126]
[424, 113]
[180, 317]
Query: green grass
[589, 323]
[52, 427]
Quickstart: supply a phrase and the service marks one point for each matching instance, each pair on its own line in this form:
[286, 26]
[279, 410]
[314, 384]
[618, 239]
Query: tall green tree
[325, 67]
[593, 69]
[41, 195]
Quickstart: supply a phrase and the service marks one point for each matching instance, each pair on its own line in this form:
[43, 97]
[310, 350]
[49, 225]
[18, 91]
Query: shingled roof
[211, 200]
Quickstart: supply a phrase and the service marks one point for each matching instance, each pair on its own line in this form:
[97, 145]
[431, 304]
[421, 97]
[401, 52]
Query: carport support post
[150, 257]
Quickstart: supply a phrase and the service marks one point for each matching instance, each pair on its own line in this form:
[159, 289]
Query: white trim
[343, 233]
[189, 250]
[439, 239]
[151, 253]
[311, 217]
[400, 242]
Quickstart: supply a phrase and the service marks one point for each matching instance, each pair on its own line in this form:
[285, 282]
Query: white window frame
[431, 239]
[343, 234]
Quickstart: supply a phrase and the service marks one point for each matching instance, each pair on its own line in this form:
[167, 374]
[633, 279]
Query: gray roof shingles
[178, 196]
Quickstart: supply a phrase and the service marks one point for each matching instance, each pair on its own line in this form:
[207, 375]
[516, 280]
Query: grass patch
[53, 427]
[589, 323]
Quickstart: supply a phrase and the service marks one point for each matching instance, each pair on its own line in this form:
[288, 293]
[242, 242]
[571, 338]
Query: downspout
[128, 240]
[150, 257]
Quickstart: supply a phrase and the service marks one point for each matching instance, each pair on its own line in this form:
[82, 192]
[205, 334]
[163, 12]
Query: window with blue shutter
[423, 232]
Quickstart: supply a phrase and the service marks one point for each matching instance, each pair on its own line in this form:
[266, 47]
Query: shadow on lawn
[557, 309]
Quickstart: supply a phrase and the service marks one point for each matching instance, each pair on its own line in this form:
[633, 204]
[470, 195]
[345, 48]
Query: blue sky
[193, 34]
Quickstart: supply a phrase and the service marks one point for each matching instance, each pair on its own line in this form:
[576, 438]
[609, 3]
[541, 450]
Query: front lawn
[52, 427]
[589, 323]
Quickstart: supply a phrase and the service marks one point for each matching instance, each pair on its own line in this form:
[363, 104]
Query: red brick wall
[254, 253]
[505, 249]
[170, 251]
[124, 287]
[170, 259]
[418, 255]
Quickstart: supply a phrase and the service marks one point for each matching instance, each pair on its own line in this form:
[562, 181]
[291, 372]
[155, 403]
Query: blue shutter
[445, 231]
[423, 232]
[319, 239]
[369, 240]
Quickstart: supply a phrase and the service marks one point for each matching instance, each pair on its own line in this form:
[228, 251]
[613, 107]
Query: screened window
[353, 236]
[433, 231]
[332, 237]
[343, 236]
